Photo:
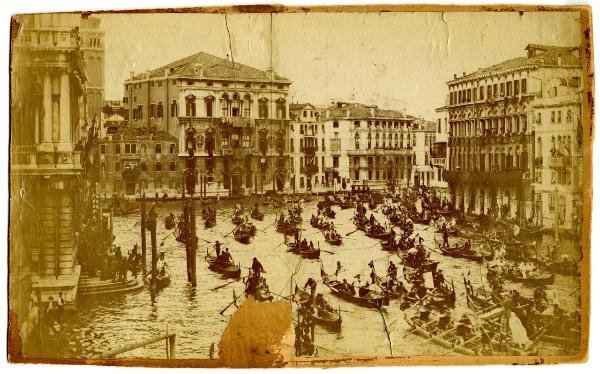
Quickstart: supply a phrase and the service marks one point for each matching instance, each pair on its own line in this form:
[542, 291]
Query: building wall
[92, 46]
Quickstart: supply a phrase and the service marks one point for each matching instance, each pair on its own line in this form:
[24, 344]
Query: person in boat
[372, 219]
[445, 236]
[392, 271]
[438, 279]
[160, 263]
[463, 329]
[134, 260]
[225, 257]
[468, 245]
[218, 249]
[304, 244]
[338, 268]
[312, 284]
[257, 267]
[347, 287]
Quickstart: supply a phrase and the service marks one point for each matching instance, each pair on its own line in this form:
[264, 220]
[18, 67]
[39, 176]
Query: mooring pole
[186, 217]
[143, 232]
[193, 242]
[152, 228]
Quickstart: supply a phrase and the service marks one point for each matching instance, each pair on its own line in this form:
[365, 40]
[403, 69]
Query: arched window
[247, 106]
[190, 106]
[401, 140]
[235, 106]
[263, 108]
[356, 141]
[395, 140]
[225, 105]
[376, 140]
[280, 109]
[369, 141]
[538, 148]
[208, 104]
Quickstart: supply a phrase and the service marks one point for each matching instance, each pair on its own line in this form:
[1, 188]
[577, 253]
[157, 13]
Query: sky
[394, 60]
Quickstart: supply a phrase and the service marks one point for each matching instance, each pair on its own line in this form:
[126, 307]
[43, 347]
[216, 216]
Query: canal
[101, 324]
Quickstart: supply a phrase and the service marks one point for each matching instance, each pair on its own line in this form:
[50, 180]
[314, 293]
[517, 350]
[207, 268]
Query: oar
[162, 242]
[223, 285]
[230, 232]
[230, 304]
[351, 232]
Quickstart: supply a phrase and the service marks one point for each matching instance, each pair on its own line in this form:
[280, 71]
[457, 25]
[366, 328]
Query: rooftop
[205, 65]
[357, 110]
[139, 133]
[537, 55]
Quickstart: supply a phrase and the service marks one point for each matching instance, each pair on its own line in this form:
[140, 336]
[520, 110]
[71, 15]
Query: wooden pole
[172, 346]
[143, 233]
[186, 217]
[193, 242]
[152, 228]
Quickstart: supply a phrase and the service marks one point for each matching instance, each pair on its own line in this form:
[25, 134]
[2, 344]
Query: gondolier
[257, 267]
[218, 248]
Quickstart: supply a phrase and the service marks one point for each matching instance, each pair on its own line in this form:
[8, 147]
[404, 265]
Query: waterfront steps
[96, 286]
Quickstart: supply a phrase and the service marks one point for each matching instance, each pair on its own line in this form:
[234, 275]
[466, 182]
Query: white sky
[394, 60]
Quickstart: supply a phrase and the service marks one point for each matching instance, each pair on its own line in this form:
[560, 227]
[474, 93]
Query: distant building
[439, 150]
[134, 161]
[368, 145]
[423, 137]
[239, 113]
[92, 48]
[505, 155]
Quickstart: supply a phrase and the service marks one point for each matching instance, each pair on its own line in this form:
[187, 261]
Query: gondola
[257, 215]
[258, 289]
[237, 219]
[170, 222]
[317, 223]
[328, 212]
[539, 279]
[244, 232]
[228, 270]
[460, 251]
[305, 252]
[346, 204]
[209, 223]
[371, 299]
[325, 316]
[333, 238]
[377, 232]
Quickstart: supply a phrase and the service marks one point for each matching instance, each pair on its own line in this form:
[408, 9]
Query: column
[65, 143]
[46, 141]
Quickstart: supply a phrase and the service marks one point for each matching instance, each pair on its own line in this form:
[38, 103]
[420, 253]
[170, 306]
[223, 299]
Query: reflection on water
[101, 324]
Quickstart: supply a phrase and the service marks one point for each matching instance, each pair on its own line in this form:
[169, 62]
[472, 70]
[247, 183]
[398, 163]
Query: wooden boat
[538, 279]
[286, 228]
[460, 251]
[346, 204]
[169, 222]
[328, 212]
[228, 270]
[377, 231]
[237, 219]
[257, 215]
[371, 299]
[209, 223]
[333, 238]
[452, 231]
[305, 251]
[258, 290]
[325, 315]
[318, 223]
[244, 232]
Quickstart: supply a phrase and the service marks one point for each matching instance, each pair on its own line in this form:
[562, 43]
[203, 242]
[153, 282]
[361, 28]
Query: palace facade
[239, 115]
[503, 119]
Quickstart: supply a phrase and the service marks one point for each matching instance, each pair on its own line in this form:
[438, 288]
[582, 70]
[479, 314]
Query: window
[208, 103]
[152, 111]
[102, 166]
[552, 116]
[323, 144]
[336, 124]
[559, 116]
[356, 124]
[157, 184]
[157, 166]
[143, 166]
[281, 109]
[158, 148]
[140, 112]
[103, 149]
[174, 108]
[356, 141]
[172, 166]
[291, 145]
[263, 108]
[524, 85]
[117, 148]
[117, 166]
[247, 106]
[127, 148]
[190, 106]
[508, 89]
[172, 148]
[159, 110]
[336, 161]
[516, 87]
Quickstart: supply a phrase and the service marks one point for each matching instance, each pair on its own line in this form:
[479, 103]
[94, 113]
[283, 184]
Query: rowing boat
[228, 270]
[371, 299]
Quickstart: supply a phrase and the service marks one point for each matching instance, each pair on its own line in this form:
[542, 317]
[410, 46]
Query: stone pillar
[65, 143]
[46, 141]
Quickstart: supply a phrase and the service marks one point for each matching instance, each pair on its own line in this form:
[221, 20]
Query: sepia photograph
[265, 186]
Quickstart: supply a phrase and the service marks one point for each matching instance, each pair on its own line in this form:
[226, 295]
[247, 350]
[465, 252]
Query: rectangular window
[158, 148]
[172, 166]
[336, 161]
[524, 85]
[157, 184]
[103, 149]
[134, 148]
[516, 87]
[127, 148]
[143, 166]
[508, 89]
[559, 116]
[117, 166]
[157, 166]
[172, 148]
[102, 166]
[174, 108]
[117, 148]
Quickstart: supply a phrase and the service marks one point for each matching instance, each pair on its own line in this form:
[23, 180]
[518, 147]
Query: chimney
[454, 76]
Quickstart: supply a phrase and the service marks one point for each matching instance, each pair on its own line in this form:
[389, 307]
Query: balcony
[29, 159]
[439, 161]
[309, 151]
[560, 162]
[501, 177]
[309, 169]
